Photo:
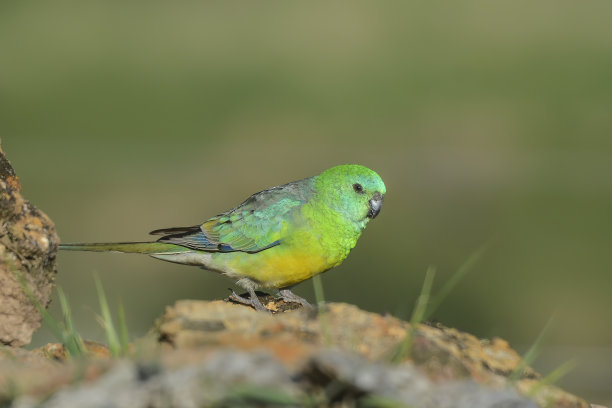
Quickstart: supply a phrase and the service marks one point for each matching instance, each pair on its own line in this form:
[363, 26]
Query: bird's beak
[375, 205]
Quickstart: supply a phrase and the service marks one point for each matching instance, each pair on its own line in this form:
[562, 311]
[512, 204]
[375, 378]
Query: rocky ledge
[221, 354]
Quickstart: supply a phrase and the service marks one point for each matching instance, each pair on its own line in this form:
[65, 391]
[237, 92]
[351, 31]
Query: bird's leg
[288, 296]
[252, 301]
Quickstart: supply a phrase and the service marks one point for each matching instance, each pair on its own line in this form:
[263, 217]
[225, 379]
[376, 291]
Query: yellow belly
[301, 255]
[273, 268]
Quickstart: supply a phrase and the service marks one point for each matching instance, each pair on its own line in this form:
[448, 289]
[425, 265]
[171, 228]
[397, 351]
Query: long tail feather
[126, 247]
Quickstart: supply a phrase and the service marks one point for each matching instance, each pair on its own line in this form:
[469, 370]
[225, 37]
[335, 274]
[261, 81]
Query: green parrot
[277, 237]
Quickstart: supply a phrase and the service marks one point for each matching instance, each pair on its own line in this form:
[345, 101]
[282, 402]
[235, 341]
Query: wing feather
[255, 225]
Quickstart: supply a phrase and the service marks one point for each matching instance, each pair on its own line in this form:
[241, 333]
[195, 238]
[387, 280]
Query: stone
[28, 245]
[203, 353]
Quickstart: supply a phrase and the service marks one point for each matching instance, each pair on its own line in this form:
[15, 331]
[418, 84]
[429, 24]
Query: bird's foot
[288, 296]
[253, 301]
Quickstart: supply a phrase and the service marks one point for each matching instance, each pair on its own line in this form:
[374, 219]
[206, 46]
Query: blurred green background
[488, 121]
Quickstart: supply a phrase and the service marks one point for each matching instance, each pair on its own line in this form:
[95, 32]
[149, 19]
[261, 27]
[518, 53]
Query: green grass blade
[49, 320]
[318, 291]
[553, 377]
[451, 283]
[107, 320]
[418, 314]
[72, 345]
[530, 355]
[73, 340]
[320, 299]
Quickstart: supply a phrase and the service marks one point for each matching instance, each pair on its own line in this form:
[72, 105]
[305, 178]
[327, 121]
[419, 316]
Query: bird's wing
[255, 225]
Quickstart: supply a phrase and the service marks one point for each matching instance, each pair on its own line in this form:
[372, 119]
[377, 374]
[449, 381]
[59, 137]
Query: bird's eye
[358, 188]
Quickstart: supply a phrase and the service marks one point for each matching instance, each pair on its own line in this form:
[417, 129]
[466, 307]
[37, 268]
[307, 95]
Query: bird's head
[354, 191]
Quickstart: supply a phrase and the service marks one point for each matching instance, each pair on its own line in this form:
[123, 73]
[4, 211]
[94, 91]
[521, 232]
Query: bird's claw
[290, 297]
[253, 301]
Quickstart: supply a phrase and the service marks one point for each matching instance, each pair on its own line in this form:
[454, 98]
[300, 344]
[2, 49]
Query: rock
[219, 380]
[33, 376]
[448, 357]
[230, 378]
[57, 351]
[221, 354]
[28, 244]
[349, 377]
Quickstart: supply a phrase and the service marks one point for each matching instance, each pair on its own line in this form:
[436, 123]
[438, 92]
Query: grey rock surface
[236, 378]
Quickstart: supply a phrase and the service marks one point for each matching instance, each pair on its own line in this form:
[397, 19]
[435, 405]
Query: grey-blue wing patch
[253, 226]
[194, 238]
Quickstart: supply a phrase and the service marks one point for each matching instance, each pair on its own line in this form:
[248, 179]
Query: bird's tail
[125, 247]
